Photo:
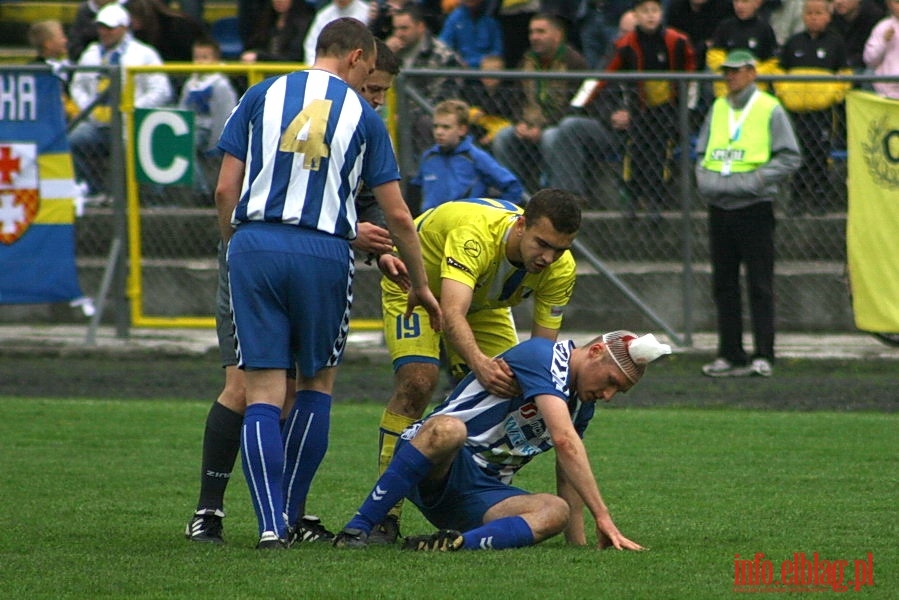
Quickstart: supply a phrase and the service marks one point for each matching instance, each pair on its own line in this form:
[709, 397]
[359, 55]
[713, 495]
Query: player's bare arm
[575, 534]
[402, 230]
[227, 192]
[572, 460]
[494, 374]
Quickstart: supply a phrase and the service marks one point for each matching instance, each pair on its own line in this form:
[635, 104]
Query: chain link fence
[643, 255]
[643, 261]
[172, 228]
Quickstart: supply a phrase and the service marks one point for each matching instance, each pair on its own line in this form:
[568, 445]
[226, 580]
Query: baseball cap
[632, 353]
[113, 15]
[738, 58]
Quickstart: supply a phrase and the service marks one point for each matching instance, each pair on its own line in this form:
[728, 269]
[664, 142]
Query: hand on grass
[609, 536]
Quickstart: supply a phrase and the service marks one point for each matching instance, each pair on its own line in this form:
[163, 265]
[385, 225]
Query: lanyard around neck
[736, 125]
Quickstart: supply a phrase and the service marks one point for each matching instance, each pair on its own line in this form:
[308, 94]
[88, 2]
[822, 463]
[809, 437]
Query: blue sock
[262, 455]
[408, 467]
[305, 444]
[508, 532]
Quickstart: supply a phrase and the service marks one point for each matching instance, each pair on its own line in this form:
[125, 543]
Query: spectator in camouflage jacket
[546, 137]
[416, 47]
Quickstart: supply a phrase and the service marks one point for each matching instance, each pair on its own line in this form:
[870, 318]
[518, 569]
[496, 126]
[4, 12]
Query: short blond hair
[455, 107]
[41, 31]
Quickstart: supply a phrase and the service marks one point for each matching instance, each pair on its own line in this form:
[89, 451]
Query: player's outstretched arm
[571, 459]
[402, 230]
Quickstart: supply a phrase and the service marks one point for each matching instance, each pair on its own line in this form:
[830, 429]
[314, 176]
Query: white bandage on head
[632, 353]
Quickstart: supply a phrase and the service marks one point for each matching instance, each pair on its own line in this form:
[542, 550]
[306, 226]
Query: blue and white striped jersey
[306, 139]
[506, 433]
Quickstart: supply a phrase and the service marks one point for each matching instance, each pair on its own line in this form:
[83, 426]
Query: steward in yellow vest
[747, 144]
[747, 147]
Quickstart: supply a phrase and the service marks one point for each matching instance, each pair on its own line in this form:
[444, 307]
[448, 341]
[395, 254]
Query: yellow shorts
[413, 340]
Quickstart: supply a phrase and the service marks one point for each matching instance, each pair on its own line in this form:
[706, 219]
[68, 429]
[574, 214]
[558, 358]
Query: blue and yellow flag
[872, 228]
[37, 192]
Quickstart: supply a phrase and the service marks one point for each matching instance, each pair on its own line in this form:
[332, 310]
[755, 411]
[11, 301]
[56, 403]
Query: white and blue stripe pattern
[506, 433]
[286, 186]
[263, 468]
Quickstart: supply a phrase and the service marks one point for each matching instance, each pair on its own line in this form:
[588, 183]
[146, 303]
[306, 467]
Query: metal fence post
[117, 186]
[686, 194]
[405, 155]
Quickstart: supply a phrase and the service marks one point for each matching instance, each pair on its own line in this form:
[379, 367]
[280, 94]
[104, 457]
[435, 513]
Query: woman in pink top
[882, 50]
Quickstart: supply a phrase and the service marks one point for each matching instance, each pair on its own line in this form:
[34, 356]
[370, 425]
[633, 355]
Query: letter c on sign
[159, 173]
[888, 140]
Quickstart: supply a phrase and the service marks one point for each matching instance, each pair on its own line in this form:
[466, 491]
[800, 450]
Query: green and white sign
[164, 146]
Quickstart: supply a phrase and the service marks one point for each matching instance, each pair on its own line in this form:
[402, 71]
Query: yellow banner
[872, 229]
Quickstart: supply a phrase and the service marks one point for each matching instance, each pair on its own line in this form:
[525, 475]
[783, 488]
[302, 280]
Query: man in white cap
[90, 140]
[457, 464]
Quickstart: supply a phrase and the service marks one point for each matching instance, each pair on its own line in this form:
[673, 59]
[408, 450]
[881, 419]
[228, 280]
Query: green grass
[94, 496]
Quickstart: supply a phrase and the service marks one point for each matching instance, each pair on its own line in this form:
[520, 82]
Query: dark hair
[169, 31]
[206, 41]
[344, 35]
[413, 10]
[561, 207]
[553, 19]
[387, 60]
[283, 43]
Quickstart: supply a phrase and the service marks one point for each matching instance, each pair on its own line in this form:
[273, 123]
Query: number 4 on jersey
[306, 134]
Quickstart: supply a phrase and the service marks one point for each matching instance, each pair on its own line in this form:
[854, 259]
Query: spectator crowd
[538, 132]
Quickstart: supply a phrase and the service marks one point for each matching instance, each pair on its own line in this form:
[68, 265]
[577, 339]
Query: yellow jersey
[465, 240]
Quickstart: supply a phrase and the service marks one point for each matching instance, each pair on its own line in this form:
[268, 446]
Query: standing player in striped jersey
[296, 148]
[482, 257]
[221, 438]
[457, 465]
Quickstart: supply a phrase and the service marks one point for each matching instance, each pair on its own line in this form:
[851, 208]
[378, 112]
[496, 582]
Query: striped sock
[508, 532]
[262, 454]
[305, 444]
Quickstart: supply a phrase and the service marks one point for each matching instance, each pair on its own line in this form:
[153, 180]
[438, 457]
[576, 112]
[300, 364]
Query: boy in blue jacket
[455, 168]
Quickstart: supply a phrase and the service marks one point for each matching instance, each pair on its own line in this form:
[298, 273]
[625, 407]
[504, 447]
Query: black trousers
[743, 236]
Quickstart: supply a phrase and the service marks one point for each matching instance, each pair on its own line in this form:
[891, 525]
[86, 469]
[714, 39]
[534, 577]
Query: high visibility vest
[752, 146]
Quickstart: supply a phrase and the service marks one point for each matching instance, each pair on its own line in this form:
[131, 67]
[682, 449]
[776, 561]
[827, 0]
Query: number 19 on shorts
[408, 328]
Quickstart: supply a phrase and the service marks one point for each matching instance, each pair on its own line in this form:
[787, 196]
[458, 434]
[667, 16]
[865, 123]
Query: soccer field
[95, 493]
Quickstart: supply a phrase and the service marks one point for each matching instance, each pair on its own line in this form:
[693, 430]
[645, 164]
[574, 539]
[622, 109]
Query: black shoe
[445, 540]
[387, 533]
[271, 541]
[351, 538]
[309, 529]
[205, 526]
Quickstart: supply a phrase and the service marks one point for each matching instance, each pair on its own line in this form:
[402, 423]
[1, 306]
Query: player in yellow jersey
[482, 257]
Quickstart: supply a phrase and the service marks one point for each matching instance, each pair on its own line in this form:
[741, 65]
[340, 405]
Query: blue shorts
[224, 323]
[461, 501]
[291, 292]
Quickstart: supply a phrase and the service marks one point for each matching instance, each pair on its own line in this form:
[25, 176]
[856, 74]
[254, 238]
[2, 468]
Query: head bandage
[632, 353]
